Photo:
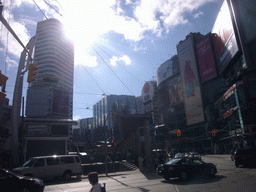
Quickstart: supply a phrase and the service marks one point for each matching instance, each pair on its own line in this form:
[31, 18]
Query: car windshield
[173, 161]
[29, 163]
[180, 155]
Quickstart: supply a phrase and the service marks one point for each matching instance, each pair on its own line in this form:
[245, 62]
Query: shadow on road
[129, 186]
[58, 181]
[195, 180]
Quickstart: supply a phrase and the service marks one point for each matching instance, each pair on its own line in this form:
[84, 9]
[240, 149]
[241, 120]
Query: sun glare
[81, 35]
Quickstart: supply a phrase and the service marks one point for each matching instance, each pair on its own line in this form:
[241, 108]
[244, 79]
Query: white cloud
[76, 117]
[115, 59]
[88, 21]
[198, 14]
[8, 40]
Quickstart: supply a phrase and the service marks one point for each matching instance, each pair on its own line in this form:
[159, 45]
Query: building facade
[51, 94]
[104, 113]
[49, 102]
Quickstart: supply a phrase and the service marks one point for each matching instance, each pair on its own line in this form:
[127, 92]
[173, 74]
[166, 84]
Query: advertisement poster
[171, 93]
[224, 37]
[168, 69]
[164, 71]
[205, 59]
[190, 81]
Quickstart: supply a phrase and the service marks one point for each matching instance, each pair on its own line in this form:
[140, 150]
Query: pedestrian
[141, 160]
[94, 181]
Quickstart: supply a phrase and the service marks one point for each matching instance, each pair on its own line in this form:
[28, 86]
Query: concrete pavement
[118, 181]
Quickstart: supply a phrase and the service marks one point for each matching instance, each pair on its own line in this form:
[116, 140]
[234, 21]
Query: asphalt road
[228, 178]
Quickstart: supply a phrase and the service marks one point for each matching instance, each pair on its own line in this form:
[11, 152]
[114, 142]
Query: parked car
[185, 168]
[195, 154]
[10, 181]
[46, 167]
[245, 157]
[179, 155]
[187, 154]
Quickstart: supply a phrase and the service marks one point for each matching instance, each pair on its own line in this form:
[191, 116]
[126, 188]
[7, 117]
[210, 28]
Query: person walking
[94, 181]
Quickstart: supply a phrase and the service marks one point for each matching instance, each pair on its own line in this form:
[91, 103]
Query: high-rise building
[51, 93]
[49, 102]
[104, 112]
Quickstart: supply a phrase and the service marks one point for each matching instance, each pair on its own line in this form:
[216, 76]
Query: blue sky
[119, 44]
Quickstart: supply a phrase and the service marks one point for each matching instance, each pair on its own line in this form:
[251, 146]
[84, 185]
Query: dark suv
[245, 157]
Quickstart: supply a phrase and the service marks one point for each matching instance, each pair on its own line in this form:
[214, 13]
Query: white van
[46, 167]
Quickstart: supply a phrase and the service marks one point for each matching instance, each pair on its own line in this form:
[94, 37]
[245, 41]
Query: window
[67, 160]
[187, 162]
[39, 163]
[197, 162]
[77, 159]
[52, 161]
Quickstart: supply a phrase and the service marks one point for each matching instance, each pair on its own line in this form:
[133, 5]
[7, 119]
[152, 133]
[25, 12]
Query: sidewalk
[126, 181]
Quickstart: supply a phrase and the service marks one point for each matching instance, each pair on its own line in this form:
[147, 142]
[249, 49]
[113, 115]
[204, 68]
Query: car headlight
[38, 181]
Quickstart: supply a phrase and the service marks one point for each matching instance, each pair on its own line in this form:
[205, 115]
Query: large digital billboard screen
[168, 69]
[245, 13]
[170, 93]
[224, 37]
[205, 59]
[190, 81]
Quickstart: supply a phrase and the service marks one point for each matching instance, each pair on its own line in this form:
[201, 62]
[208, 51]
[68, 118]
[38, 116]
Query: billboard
[60, 103]
[245, 12]
[148, 91]
[167, 69]
[190, 81]
[205, 59]
[170, 93]
[147, 95]
[224, 37]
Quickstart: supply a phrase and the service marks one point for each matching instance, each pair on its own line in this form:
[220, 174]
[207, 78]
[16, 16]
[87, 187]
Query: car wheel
[25, 190]
[67, 176]
[183, 176]
[212, 171]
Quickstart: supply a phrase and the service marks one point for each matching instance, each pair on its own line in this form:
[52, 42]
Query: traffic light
[113, 116]
[31, 72]
[178, 133]
[112, 143]
[213, 132]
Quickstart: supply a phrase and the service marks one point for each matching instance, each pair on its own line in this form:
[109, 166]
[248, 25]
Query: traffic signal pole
[16, 103]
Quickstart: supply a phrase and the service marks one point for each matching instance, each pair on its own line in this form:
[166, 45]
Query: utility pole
[16, 104]
[106, 145]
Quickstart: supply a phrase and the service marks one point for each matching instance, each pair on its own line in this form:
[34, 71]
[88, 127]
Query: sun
[81, 35]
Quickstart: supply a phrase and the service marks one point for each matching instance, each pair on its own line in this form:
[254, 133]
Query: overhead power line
[40, 9]
[52, 7]
[111, 69]
[94, 80]
[119, 64]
